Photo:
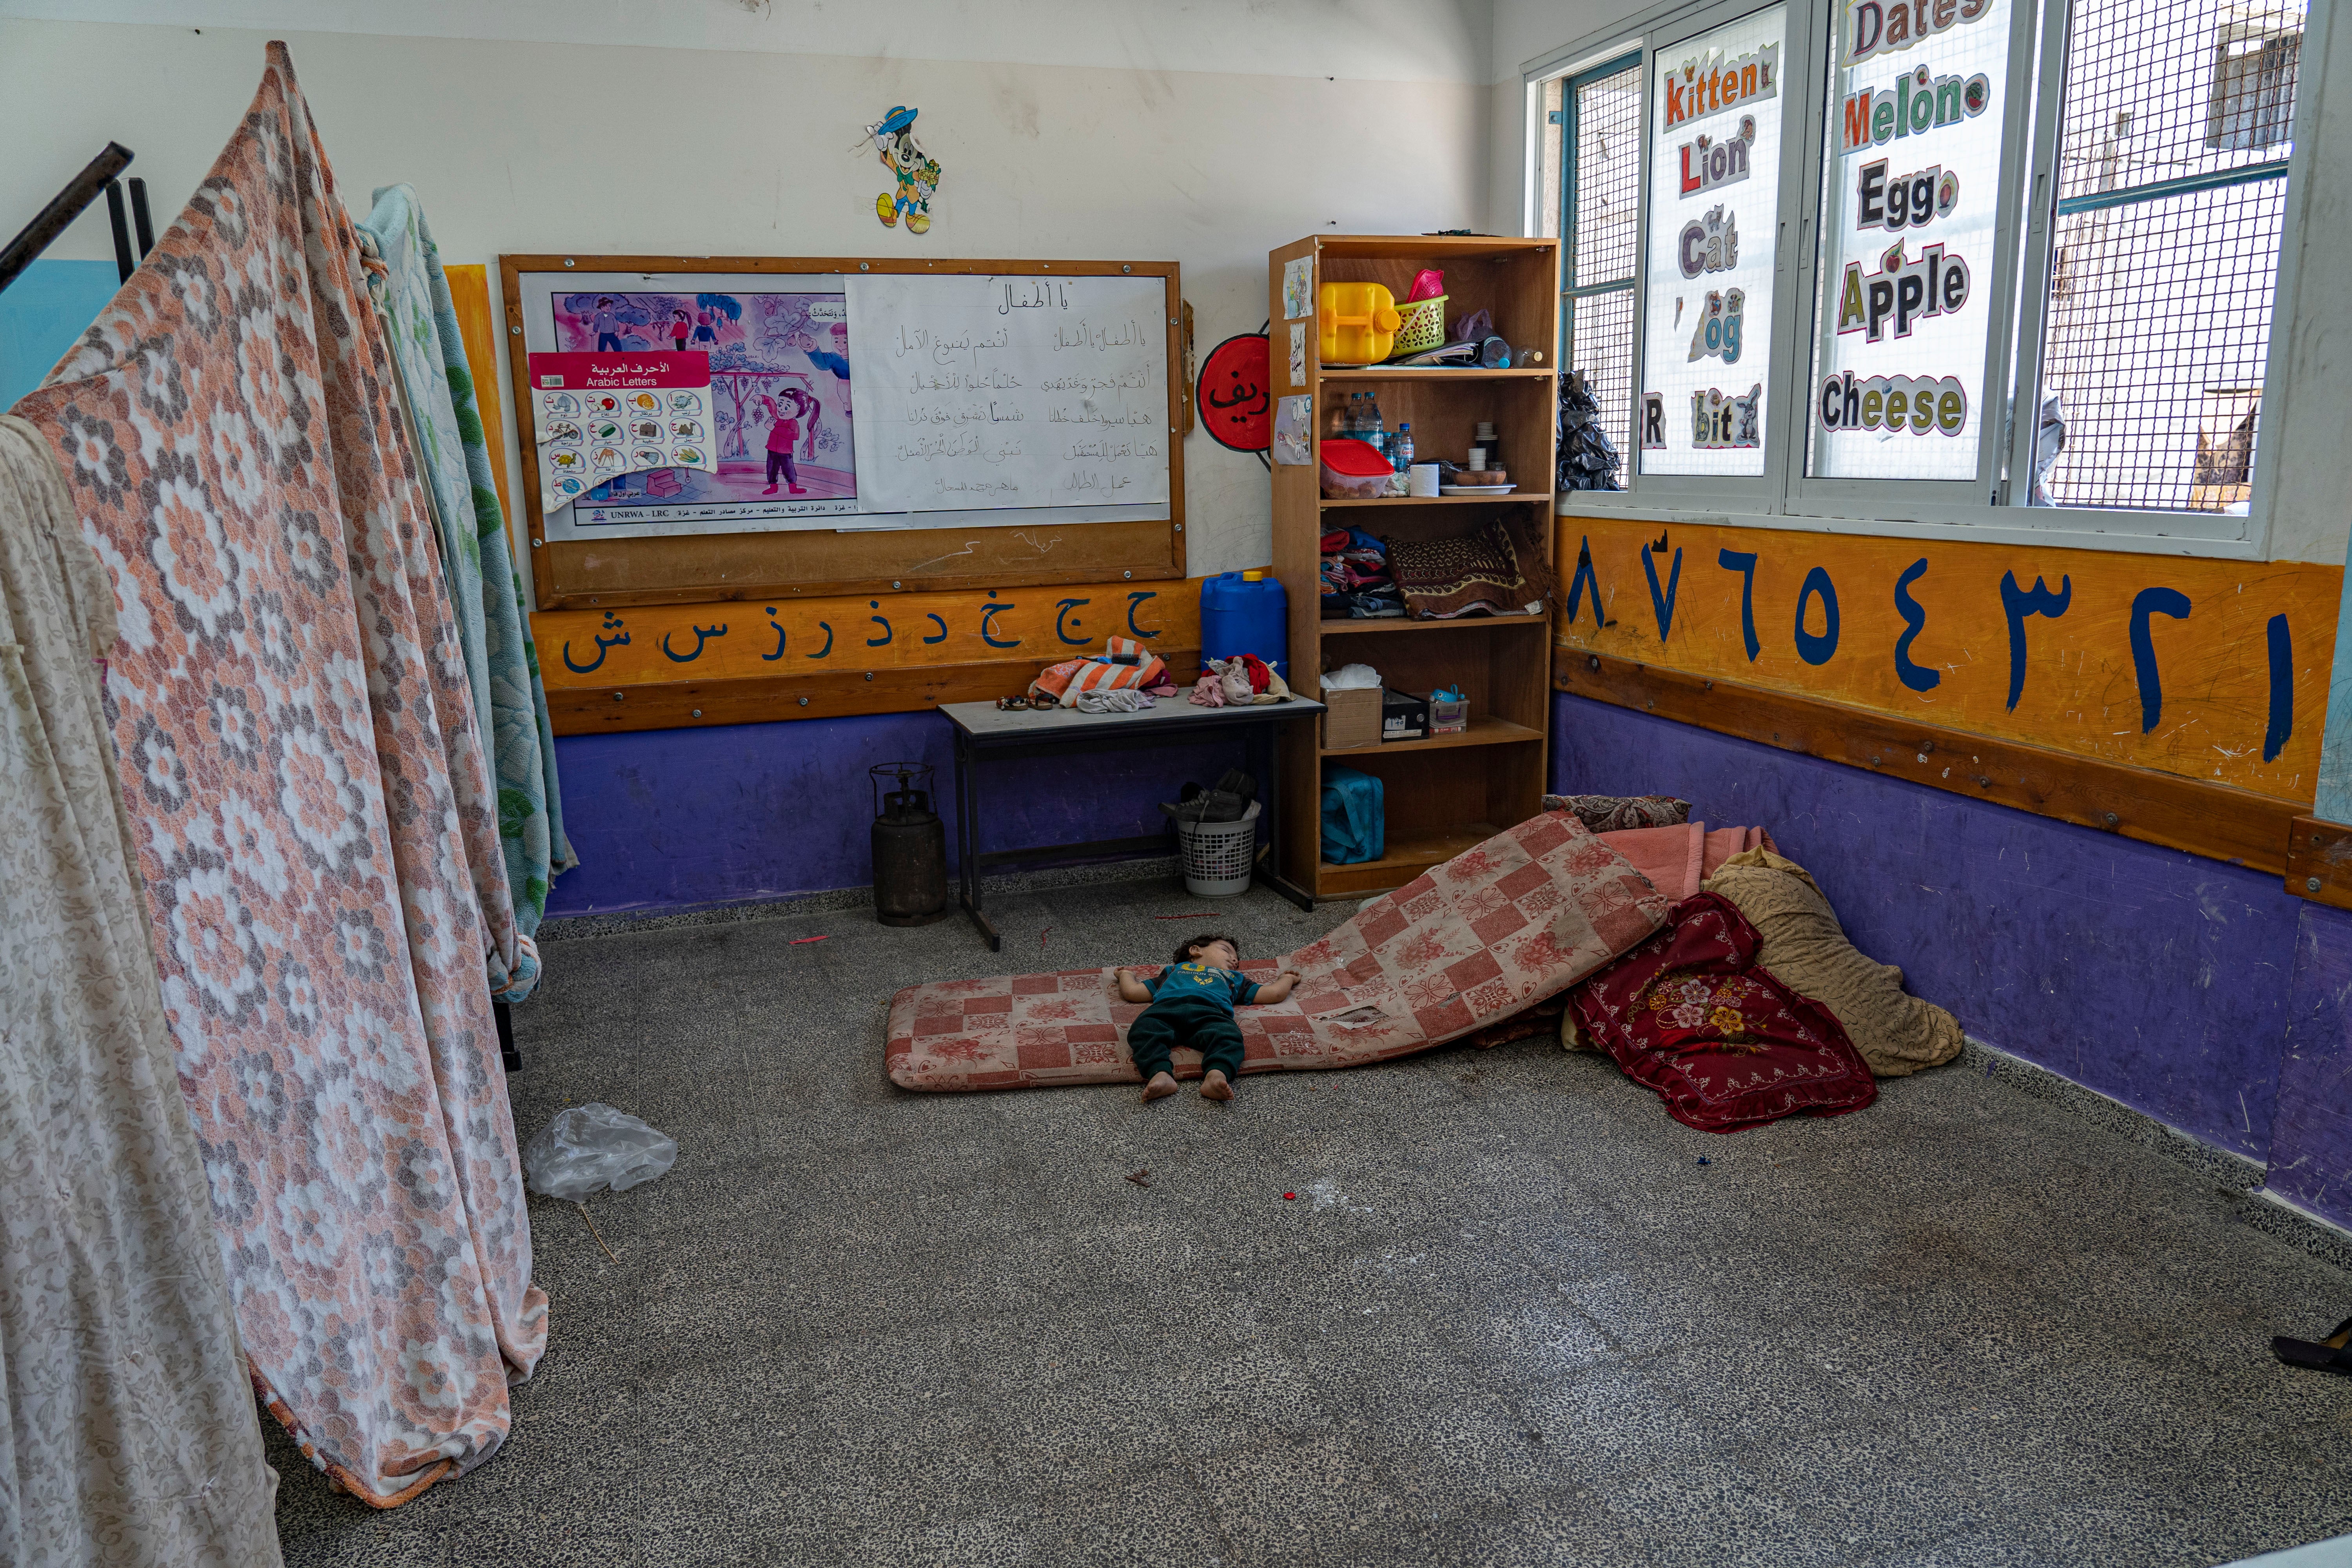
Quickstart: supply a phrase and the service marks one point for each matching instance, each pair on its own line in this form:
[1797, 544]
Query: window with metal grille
[2172, 157]
[1596, 162]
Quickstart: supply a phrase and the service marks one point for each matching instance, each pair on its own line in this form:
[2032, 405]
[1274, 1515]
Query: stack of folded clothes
[1357, 583]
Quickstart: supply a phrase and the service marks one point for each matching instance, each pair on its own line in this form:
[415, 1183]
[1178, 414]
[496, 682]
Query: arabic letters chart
[984, 392]
[602, 416]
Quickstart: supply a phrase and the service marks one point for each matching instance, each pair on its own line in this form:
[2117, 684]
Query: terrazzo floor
[1511, 1318]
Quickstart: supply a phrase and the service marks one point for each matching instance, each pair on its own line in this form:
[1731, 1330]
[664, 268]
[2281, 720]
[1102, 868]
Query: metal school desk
[982, 733]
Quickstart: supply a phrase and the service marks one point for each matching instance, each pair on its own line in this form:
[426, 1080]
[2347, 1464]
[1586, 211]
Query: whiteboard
[983, 392]
[937, 400]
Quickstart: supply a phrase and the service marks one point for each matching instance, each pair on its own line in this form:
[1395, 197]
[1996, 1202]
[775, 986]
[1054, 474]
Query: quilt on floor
[1691, 1016]
[313, 812]
[1515, 920]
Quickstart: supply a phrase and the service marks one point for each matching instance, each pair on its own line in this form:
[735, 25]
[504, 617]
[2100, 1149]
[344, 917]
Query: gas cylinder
[911, 847]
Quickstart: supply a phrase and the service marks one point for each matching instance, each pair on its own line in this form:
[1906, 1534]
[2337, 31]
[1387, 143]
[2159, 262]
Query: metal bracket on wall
[2319, 861]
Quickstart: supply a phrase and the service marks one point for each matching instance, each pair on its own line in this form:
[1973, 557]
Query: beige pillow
[1807, 950]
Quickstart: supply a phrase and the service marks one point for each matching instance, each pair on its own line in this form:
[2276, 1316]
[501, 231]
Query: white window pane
[1918, 91]
[1716, 114]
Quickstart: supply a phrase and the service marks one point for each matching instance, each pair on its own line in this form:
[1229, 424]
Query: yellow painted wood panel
[2079, 687]
[756, 638]
[469, 292]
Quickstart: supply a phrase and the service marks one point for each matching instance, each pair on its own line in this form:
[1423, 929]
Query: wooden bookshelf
[1447, 793]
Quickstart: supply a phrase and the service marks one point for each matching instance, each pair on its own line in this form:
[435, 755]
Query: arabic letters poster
[775, 432]
[601, 417]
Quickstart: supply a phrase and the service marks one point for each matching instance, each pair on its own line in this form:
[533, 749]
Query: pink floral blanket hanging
[317, 829]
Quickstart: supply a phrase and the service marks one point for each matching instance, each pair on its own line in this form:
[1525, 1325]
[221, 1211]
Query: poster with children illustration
[769, 438]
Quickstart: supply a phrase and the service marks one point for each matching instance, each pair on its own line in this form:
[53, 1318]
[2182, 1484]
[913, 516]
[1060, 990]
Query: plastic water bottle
[1400, 455]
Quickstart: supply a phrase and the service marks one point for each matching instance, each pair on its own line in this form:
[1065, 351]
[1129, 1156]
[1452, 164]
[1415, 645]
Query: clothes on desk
[1067, 681]
[1238, 682]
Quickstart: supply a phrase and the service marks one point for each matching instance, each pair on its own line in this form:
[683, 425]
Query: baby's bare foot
[1214, 1087]
[1161, 1084]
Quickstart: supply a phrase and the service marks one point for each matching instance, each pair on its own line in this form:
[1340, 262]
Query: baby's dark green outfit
[1192, 1004]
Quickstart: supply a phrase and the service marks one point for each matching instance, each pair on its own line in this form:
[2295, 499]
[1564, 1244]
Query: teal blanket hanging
[509, 702]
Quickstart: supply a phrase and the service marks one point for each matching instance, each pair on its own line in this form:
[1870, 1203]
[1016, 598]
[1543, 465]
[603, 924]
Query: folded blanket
[1692, 1016]
[1677, 860]
[1469, 943]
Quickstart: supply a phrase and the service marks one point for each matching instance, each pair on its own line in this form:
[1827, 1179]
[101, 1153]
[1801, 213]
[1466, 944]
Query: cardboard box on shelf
[1353, 719]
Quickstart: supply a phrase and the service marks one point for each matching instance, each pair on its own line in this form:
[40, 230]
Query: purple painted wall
[2158, 978]
[2311, 1144]
[678, 818]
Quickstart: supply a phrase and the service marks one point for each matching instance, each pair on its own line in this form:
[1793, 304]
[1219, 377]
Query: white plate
[1475, 490]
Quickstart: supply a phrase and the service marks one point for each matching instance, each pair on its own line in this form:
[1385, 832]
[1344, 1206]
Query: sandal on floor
[2331, 1355]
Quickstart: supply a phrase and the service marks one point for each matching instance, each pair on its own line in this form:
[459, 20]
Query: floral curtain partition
[127, 1436]
[429, 351]
[315, 821]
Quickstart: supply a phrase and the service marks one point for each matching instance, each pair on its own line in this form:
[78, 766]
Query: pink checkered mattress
[1523, 916]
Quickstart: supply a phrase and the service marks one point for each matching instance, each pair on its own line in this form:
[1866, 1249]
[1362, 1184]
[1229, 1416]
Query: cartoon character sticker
[917, 174]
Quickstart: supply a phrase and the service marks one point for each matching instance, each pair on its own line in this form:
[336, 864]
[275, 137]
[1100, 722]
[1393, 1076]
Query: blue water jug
[1246, 612]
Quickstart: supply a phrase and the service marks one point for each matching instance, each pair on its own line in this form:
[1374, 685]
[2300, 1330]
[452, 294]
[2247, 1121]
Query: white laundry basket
[1217, 856]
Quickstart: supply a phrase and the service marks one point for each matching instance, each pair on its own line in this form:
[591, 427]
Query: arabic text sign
[2210, 669]
[979, 392]
[599, 416]
[768, 637]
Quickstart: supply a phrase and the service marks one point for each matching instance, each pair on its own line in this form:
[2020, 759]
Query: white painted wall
[1104, 151]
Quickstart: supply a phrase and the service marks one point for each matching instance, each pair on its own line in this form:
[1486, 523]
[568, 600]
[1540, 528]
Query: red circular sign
[1234, 407]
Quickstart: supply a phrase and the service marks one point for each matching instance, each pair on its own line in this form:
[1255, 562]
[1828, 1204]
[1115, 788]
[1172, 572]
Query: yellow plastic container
[1358, 322]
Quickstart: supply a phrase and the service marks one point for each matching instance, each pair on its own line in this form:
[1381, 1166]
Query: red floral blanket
[1690, 1014]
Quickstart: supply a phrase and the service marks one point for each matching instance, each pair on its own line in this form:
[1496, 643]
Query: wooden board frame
[711, 567]
[2218, 821]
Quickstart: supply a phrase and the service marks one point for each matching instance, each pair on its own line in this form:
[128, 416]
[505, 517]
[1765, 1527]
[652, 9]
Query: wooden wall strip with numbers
[2218, 821]
[710, 568]
[833, 694]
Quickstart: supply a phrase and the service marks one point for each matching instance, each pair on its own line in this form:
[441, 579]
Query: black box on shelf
[1404, 716]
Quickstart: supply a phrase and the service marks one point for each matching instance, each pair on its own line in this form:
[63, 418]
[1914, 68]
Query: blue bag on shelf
[1354, 817]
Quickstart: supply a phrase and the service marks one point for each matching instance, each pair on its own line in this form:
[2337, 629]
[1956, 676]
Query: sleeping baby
[1192, 1002]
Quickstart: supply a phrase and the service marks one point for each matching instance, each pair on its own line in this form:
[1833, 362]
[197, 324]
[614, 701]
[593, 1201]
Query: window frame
[1926, 501]
[1991, 509]
[1708, 492]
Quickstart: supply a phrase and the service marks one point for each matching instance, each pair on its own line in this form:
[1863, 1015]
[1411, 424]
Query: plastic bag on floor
[588, 1148]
